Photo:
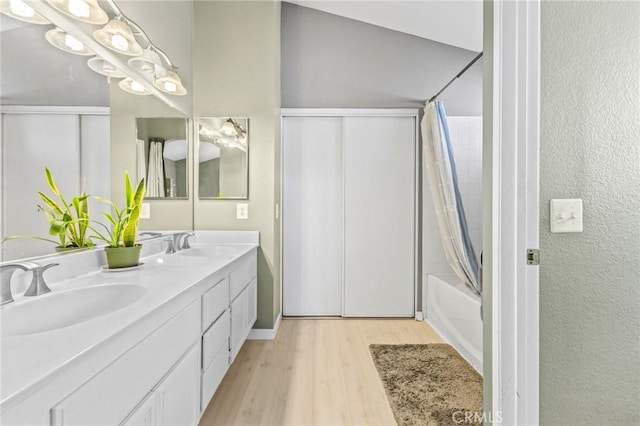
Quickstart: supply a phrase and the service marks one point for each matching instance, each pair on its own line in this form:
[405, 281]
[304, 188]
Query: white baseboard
[419, 316]
[265, 333]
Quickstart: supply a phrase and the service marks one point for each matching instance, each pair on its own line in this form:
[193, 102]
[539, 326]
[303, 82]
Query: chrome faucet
[38, 285]
[185, 240]
[171, 247]
[184, 236]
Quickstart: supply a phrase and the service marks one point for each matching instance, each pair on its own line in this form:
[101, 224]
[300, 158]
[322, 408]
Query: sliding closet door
[312, 216]
[379, 216]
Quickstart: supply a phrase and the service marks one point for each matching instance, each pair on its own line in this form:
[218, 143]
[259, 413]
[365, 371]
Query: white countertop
[74, 353]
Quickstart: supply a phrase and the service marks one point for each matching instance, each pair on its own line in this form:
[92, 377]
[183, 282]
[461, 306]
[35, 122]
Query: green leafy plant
[69, 221]
[123, 221]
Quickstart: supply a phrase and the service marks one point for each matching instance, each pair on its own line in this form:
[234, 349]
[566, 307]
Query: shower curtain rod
[457, 76]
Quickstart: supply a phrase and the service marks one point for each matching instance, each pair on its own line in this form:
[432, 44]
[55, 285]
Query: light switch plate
[566, 215]
[242, 211]
[145, 211]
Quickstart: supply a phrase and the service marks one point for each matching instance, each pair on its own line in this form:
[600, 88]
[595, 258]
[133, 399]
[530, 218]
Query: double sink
[59, 309]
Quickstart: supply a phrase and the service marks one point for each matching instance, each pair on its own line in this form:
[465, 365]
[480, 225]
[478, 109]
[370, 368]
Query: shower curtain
[155, 179]
[440, 168]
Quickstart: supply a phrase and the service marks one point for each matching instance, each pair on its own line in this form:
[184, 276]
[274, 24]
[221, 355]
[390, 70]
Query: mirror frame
[196, 155]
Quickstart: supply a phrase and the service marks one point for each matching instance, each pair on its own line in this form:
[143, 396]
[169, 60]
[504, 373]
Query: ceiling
[453, 22]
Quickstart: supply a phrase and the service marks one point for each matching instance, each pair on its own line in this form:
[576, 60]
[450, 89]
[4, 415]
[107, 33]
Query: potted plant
[69, 221]
[122, 249]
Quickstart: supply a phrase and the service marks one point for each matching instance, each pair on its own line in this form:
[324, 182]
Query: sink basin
[62, 309]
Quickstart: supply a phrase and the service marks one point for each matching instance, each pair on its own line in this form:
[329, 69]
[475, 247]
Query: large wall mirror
[162, 156]
[56, 112]
[223, 148]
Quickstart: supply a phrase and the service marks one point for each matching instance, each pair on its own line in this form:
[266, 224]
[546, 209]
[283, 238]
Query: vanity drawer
[216, 339]
[212, 377]
[242, 275]
[110, 395]
[214, 302]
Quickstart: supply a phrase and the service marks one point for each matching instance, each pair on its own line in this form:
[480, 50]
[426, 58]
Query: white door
[312, 216]
[30, 137]
[178, 396]
[380, 192]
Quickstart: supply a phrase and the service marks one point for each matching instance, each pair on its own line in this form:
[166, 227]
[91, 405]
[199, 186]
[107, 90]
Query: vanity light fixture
[228, 128]
[67, 42]
[18, 9]
[149, 63]
[105, 68]
[118, 36]
[83, 10]
[131, 86]
[170, 84]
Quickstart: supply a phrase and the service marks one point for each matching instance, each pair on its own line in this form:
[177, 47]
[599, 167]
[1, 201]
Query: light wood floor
[317, 372]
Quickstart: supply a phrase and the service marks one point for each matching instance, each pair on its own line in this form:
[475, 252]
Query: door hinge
[533, 257]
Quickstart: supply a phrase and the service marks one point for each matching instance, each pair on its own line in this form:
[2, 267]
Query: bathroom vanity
[155, 358]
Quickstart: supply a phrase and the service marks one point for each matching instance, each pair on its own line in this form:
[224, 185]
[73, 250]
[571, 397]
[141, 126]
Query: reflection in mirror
[162, 156]
[222, 157]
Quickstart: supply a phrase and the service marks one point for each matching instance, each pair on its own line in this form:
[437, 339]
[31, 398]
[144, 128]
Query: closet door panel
[312, 216]
[28, 140]
[95, 161]
[379, 216]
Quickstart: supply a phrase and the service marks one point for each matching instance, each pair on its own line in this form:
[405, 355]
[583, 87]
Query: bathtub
[454, 313]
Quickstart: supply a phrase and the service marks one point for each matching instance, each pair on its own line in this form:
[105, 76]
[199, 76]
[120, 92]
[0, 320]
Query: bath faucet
[6, 272]
[182, 236]
[185, 240]
[171, 248]
[38, 285]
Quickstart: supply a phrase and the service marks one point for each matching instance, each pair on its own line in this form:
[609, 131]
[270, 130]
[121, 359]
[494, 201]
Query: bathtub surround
[428, 385]
[454, 312]
[589, 282]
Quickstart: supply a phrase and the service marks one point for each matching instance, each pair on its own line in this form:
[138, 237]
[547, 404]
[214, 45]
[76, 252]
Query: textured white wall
[466, 140]
[590, 282]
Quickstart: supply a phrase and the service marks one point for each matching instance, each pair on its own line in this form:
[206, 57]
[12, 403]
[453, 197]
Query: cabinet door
[239, 322]
[144, 414]
[379, 182]
[253, 303]
[312, 216]
[178, 396]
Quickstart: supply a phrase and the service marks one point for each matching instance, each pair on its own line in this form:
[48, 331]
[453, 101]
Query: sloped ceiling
[452, 22]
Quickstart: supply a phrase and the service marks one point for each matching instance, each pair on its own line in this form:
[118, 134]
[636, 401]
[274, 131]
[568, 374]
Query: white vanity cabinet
[175, 400]
[168, 356]
[163, 368]
[227, 326]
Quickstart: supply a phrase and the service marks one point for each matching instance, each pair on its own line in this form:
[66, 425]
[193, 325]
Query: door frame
[356, 112]
[511, 210]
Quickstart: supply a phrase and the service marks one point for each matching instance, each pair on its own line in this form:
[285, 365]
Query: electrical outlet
[242, 211]
[145, 211]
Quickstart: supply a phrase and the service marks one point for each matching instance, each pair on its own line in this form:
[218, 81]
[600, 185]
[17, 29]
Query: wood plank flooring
[317, 372]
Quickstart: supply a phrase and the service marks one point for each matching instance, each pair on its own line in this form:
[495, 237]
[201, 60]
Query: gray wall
[330, 62]
[237, 74]
[590, 282]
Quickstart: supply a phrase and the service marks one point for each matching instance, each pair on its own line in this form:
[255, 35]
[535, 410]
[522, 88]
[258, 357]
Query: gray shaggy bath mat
[429, 384]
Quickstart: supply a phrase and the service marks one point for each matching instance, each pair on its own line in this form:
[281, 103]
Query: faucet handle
[171, 248]
[38, 285]
[185, 243]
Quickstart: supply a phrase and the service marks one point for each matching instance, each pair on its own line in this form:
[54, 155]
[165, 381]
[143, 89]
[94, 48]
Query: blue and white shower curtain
[440, 168]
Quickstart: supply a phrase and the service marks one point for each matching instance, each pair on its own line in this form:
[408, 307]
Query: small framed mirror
[162, 156]
[223, 156]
